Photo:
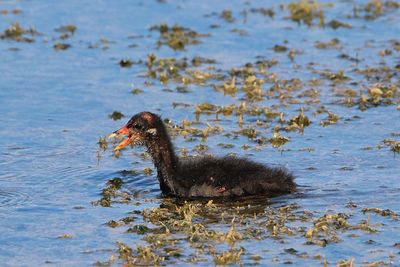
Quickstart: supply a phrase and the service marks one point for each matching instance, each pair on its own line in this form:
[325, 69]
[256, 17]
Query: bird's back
[232, 176]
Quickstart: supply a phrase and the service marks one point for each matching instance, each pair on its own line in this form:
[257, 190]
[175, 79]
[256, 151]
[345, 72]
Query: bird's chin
[125, 142]
[131, 138]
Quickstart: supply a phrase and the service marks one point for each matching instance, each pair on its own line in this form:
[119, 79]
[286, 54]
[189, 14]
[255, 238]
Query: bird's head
[140, 129]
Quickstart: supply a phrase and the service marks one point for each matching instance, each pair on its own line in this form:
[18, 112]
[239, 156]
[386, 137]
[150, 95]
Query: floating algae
[61, 46]
[177, 37]
[116, 115]
[66, 31]
[17, 33]
[306, 11]
[330, 120]
[278, 140]
[298, 122]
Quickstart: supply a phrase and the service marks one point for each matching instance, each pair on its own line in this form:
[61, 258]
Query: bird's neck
[165, 161]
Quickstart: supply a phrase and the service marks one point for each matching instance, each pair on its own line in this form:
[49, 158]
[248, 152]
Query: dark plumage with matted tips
[208, 177]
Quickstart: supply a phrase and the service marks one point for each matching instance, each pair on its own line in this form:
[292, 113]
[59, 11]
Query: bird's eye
[138, 126]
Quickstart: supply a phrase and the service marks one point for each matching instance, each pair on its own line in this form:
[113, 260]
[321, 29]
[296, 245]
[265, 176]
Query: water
[54, 106]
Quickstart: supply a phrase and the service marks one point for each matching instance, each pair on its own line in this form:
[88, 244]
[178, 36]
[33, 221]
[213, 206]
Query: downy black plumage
[202, 176]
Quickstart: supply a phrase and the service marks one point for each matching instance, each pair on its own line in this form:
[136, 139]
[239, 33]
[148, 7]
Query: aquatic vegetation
[227, 15]
[335, 24]
[14, 11]
[142, 256]
[125, 63]
[116, 115]
[110, 193]
[278, 140]
[136, 91]
[396, 147]
[61, 46]
[147, 171]
[298, 122]
[65, 236]
[66, 31]
[228, 257]
[331, 119]
[17, 33]
[179, 70]
[69, 28]
[167, 228]
[103, 145]
[269, 12]
[393, 144]
[336, 77]
[325, 228]
[306, 11]
[345, 263]
[102, 43]
[280, 48]
[375, 8]
[177, 37]
[334, 43]
[386, 212]
[378, 94]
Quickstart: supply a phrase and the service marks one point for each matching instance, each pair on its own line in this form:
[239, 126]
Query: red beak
[123, 131]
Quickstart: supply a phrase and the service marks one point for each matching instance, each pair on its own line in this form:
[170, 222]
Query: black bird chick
[207, 177]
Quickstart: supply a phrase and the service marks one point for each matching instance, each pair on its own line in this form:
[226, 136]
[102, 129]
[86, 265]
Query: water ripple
[12, 197]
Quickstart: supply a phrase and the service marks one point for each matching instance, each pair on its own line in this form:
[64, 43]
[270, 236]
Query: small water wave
[10, 154]
[7, 176]
[12, 197]
[138, 182]
[61, 174]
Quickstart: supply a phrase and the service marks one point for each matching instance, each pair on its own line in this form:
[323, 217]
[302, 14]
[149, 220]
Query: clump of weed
[177, 37]
[376, 8]
[13, 11]
[334, 43]
[116, 115]
[345, 263]
[103, 145]
[232, 256]
[17, 33]
[325, 229]
[305, 12]
[386, 212]
[298, 122]
[61, 46]
[111, 192]
[179, 70]
[393, 144]
[142, 256]
[125, 63]
[278, 140]
[330, 120]
[66, 31]
[65, 236]
[227, 15]
[335, 24]
[269, 12]
[378, 94]
[280, 48]
[336, 77]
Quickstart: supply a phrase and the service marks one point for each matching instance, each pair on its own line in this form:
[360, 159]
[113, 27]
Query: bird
[201, 177]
